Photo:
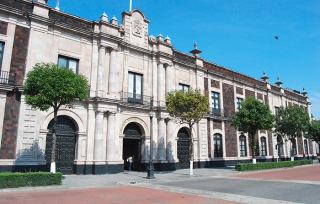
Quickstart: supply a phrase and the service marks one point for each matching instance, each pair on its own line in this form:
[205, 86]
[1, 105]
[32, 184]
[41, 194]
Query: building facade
[126, 68]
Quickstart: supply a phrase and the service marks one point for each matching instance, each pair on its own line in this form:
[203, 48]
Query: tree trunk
[53, 148]
[191, 150]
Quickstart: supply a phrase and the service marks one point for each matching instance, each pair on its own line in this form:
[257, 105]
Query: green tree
[294, 121]
[252, 116]
[314, 132]
[189, 107]
[49, 86]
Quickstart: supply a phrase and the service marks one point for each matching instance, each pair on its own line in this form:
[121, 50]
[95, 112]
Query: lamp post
[150, 168]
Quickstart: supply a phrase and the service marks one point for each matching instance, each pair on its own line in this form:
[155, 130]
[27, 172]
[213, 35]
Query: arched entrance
[132, 145]
[280, 147]
[65, 144]
[183, 148]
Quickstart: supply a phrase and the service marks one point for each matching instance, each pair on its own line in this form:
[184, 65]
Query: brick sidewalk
[302, 173]
[115, 194]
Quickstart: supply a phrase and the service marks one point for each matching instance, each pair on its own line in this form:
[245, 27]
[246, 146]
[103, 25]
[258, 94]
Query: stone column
[160, 83]
[154, 79]
[170, 140]
[161, 140]
[98, 137]
[113, 72]
[111, 137]
[94, 69]
[100, 73]
[169, 79]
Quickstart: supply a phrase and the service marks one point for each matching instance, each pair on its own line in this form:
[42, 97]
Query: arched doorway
[132, 145]
[65, 144]
[183, 148]
[280, 147]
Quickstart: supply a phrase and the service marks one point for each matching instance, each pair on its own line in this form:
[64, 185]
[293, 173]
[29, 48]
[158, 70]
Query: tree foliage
[294, 121]
[252, 116]
[189, 107]
[314, 132]
[48, 86]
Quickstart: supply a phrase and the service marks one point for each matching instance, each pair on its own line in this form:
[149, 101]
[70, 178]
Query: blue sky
[238, 34]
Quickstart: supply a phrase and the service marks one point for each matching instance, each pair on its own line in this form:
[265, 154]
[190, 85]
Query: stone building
[125, 67]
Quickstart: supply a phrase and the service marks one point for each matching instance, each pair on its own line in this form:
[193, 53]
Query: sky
[237, 34]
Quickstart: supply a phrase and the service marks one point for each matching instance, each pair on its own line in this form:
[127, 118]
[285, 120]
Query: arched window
[243, 146]
[263, 146]
[294, 148]
[306, 146]
[217, 138]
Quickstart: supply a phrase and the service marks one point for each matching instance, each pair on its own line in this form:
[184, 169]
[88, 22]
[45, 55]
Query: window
[215, 98]
[217, 138]
[183, 87]
[135, 88]
[1, 54]
[68, 63]
[263, 146]
[239, 100]
[280, 146]
[294, 148]
[306, 147]
[243, 146]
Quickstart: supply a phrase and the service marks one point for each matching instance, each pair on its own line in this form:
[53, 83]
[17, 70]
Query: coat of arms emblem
[137, 28]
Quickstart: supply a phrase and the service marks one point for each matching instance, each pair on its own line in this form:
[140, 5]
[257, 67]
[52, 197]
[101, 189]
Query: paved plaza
[212, 185]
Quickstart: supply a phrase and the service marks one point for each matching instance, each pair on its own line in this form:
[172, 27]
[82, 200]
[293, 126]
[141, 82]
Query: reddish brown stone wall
[206, 85]
[3, 27]
[12, 107]
[19, 53]
[259, 96]
[232, 74]
[249, 93]
[18, 4]
[228, 100]
[217, 125]
[231, 140]
[239, 90]
[215, 83]
[270, 143]
[10, 127]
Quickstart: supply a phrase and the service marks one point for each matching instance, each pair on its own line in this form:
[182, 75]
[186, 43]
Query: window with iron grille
[263, 142]
[306, 146]
[184, 87]
[243, 146]
[69, 63]
[1, 54]
[217, 138]
[239, 101]
[215, 103]
[135, 88]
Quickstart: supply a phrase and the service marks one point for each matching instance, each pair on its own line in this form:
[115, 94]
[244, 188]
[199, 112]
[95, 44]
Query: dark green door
[65, 145]
[183, 149]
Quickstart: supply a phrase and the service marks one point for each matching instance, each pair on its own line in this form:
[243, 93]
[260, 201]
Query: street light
[150, 168]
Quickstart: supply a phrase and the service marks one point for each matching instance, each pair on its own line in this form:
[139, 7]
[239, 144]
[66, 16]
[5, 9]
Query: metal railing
[135, 98]
[7, 78]
[221, 112]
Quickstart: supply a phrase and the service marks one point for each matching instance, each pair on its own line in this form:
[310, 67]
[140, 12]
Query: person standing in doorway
[130, 160]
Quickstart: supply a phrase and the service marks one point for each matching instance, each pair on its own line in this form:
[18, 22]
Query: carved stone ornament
[137, 28]
[152, 39]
